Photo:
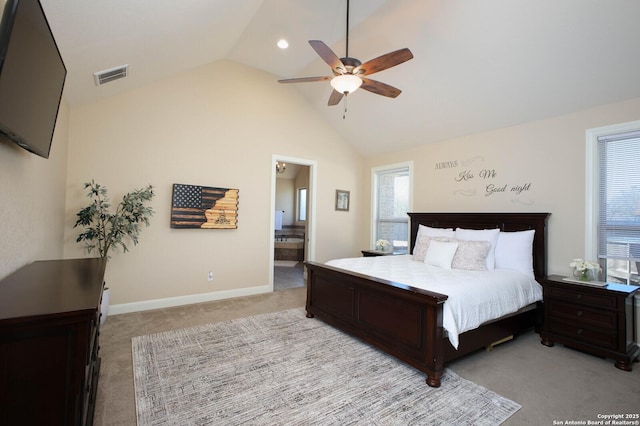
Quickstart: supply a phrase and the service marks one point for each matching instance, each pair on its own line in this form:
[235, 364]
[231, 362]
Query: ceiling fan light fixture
[346, 83]
[349, 73]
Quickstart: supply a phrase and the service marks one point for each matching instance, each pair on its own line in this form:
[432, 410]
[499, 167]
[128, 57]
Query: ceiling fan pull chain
[344, 114]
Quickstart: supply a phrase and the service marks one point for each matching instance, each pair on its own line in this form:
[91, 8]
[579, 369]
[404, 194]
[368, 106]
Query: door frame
[310, 243]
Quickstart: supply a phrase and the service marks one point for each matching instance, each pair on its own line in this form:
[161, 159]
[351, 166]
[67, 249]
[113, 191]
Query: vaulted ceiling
[478, 65]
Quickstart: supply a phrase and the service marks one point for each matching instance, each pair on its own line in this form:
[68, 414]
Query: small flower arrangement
[383, 245]
[585, 270]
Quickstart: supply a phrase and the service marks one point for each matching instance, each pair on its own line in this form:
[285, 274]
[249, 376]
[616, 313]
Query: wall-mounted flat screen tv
[32, 76]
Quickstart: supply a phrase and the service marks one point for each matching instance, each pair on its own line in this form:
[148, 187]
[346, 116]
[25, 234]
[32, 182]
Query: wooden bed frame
[406, 322]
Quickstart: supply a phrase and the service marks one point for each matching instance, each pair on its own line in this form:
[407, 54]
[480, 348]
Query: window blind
[619, 196]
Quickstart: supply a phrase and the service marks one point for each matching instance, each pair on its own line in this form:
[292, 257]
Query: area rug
[287, 263]
[285, 369]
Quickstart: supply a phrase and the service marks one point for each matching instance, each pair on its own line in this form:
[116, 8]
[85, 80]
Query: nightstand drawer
[586, 334]
[583, 314]
[577, 296]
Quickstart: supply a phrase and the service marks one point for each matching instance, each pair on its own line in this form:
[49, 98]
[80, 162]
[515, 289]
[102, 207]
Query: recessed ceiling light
[283, 44]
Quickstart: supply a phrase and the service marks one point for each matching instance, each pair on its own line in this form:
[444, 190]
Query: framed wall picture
[342, 200]
[204, 207]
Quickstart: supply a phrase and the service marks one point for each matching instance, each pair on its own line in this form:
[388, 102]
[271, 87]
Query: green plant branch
[105, 231]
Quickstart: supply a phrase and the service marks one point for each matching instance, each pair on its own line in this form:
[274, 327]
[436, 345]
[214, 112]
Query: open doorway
[292, 227]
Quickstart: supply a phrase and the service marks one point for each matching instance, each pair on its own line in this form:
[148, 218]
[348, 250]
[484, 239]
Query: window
[615, 188]
[302, 204]
[391, 201]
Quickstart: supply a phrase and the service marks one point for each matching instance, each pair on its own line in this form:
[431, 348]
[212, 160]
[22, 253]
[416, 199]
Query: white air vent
[105, 76]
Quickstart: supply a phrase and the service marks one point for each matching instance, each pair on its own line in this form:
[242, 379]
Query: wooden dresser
[49, 349]
[597, 320]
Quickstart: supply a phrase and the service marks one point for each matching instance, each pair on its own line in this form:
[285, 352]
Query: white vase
[104, 305]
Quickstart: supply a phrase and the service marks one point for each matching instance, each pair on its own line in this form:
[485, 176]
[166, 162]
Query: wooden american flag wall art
[204, 207]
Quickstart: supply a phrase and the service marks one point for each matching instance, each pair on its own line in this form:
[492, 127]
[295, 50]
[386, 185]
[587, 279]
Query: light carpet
[283, 368]
[286, 263]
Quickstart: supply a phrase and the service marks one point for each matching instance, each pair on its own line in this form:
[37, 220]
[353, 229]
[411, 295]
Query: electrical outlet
[210, 276]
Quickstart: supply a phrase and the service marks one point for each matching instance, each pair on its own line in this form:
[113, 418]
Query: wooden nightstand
[373, 253]
[597, 320]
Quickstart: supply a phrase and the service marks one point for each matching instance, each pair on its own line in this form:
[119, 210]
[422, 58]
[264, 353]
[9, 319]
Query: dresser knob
[579, 313]
[579, 331]
[579, 296]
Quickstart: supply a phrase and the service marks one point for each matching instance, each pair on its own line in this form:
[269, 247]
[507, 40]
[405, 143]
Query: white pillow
[440, 253]
[422, 239]
[514, 250]
[490, 235]
[436, 232]
[471, 255]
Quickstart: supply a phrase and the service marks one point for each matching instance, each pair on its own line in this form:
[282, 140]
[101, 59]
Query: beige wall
[32, 200]
[549, 155]
[285, 199]
[287, 195]
[301, 181]
[217, 125]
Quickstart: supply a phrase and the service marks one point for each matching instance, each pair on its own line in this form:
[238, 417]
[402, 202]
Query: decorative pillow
[490, 235]
[422, 239]
[471, 255]
[421, 246]
[440, 253]
[514, 250]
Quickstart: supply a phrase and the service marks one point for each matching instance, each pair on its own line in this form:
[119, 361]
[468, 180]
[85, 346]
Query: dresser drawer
[591, 335]
[583, 314]
[577, 296]
[92, 336]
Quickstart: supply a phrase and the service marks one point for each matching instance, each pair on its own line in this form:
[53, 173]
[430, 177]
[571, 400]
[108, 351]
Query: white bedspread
[475, 297]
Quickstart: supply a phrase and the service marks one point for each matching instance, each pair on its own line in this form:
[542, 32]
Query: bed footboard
[400, 320]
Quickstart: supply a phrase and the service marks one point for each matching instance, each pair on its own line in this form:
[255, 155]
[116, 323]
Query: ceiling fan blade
[335, 98]
[383, 62]
[304, 79]
[328, 56]
[379, 88]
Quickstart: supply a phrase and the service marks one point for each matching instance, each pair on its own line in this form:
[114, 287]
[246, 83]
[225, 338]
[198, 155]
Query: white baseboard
[147, 305]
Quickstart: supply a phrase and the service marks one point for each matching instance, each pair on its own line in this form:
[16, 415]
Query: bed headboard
[503, 221]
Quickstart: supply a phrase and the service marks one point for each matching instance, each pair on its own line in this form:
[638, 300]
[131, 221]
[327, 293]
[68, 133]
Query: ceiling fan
[349, 73]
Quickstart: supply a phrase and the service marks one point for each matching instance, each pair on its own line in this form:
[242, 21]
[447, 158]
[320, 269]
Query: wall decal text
[488, 178]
